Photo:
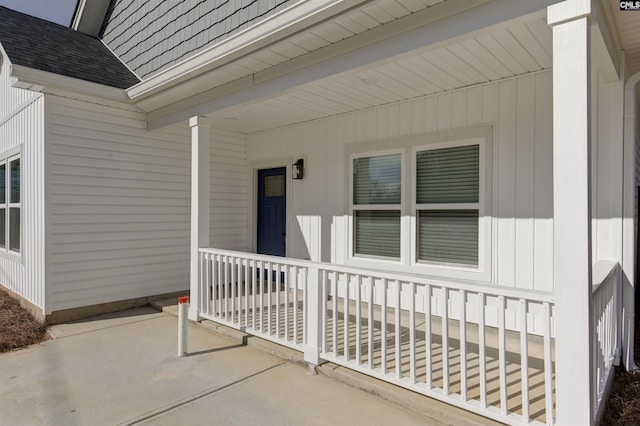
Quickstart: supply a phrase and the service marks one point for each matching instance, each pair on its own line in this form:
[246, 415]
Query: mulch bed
[18, 328]
[623, 406]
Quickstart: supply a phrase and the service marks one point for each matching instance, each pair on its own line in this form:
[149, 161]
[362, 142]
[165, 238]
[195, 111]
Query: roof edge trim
[89, 15]
[36, 80]
[278, 26]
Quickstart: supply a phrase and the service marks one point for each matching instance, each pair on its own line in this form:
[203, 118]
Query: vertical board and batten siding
[22, 124]
[120, 206]
[150, 36]
[606, 173]
[520, 110]
[228, 187]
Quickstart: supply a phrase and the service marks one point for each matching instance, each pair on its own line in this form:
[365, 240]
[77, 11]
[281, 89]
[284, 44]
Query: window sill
[11, 255]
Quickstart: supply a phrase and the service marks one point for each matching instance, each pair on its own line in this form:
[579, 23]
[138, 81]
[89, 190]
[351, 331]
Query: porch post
[572, 210]
[199, 205]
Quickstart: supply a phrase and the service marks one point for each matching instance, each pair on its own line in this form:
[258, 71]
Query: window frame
[408, 147]
[6, 158]
[401, 207]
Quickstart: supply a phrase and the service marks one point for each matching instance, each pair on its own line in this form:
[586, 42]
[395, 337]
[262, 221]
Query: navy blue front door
[272, 215]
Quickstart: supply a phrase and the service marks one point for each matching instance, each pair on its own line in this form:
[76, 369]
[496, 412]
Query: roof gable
[46, 46]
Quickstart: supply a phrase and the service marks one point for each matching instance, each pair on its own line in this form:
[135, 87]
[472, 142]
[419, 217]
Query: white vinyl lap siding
[520, 111]
[119, 210]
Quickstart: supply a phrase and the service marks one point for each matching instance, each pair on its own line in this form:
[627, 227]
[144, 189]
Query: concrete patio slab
[122, 369]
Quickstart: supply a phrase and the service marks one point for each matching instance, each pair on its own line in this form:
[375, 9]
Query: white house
[437, 193]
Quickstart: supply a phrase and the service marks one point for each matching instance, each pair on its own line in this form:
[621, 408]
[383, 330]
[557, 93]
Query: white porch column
[628, 225]
[572, 213]
[200, 132]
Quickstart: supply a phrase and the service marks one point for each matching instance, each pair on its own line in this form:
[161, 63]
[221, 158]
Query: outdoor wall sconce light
[298, 169]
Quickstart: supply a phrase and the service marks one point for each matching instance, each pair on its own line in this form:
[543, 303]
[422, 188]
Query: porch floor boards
[280, 331]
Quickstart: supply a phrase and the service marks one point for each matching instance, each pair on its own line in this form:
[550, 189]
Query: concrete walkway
[122, 369]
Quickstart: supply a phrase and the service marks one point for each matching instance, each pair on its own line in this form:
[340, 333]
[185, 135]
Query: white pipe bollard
[183, 308]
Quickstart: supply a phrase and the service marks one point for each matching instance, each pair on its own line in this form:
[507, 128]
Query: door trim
[252, 208]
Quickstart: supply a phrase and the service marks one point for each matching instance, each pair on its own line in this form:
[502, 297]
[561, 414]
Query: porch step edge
[439, 412]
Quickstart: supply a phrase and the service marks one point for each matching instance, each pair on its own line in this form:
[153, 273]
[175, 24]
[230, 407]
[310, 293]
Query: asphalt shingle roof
[39, 44]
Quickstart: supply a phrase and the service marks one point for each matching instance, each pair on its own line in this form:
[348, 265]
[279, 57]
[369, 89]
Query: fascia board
[26, 77]
[291, 20]
[89, 15]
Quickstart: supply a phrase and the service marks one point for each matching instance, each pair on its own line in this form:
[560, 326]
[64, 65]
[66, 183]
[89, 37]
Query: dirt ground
[623, 407]
[18, 329]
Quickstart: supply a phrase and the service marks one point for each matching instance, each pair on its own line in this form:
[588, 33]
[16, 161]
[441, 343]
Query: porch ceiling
[519, 47]
[628, 26]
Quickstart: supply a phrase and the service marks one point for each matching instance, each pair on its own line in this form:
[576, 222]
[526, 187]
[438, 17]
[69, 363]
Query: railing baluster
[286, 303]
[239, 290]
[233, 289]
[261, 273]
[412, 332]
[548, 374]
[295, 304]
[334, 291]
[345, 319]
[398, 321]
[463, 345]
[278, 283]
[305, 274]
[226, 288]
[383, 328]
[482, 357]
[370, 323]
[325, 294]
[502, 359]
[524, 361]
[214, 284]
[427, 336]
[254, 291]
[218, 289]
[269, 298]
[358, 319]
[246, 292]
[202, 281]
[445, 340]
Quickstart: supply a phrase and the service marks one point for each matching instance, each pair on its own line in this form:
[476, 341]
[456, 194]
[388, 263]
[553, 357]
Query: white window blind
[446, 177]
[377, 194]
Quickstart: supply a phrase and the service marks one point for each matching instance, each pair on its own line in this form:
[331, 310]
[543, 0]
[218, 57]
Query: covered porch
[521, 321]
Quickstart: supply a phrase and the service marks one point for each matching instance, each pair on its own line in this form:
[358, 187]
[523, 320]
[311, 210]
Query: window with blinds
[10, 203]
[447, 201]
[377, 195]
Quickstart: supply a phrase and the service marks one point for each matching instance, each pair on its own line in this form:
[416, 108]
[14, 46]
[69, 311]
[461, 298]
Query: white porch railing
[487, 350]
[605, 329]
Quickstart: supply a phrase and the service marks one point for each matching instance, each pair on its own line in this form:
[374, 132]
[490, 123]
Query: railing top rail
[602, 272]
[537, 296]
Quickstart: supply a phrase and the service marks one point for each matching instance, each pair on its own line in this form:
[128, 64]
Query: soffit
[358, 21]
[520, 47]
